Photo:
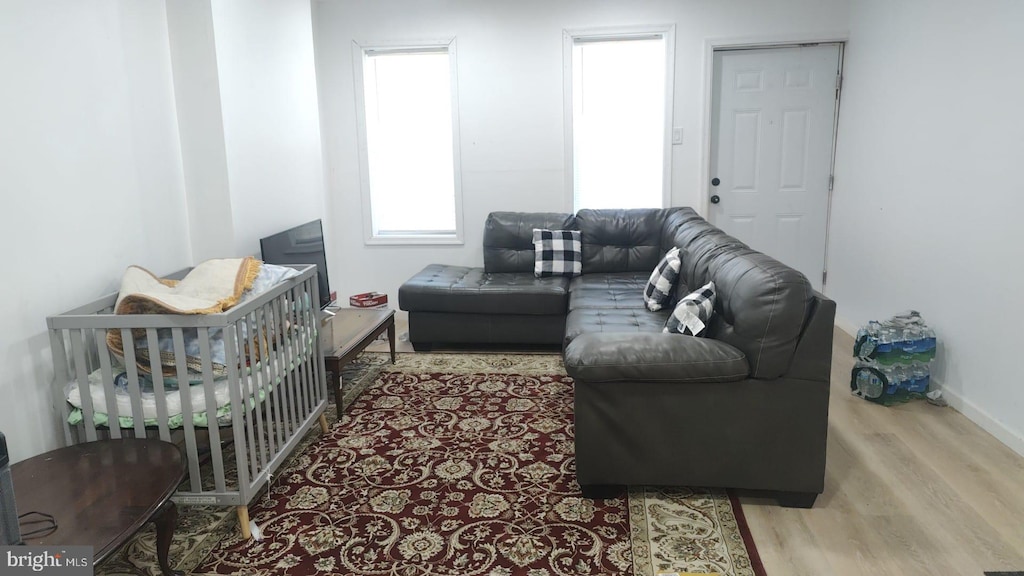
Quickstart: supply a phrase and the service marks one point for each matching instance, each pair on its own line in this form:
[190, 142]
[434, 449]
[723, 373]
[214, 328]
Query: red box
[368, 300]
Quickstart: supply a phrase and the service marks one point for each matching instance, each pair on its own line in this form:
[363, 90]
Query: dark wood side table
[353, 330]
[102, 492]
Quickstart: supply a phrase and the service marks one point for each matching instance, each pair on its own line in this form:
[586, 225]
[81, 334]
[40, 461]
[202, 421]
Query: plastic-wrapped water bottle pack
[893, 359]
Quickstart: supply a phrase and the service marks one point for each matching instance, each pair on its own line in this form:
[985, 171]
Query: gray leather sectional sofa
[744, 407]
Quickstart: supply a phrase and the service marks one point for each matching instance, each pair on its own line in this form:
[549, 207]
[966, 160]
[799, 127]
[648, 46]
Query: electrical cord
[49, 527]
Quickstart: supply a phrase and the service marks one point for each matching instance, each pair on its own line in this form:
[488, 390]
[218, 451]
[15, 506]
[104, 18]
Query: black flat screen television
[300, 245]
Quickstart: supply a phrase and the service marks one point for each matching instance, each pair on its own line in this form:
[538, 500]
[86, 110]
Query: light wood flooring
[912, 489]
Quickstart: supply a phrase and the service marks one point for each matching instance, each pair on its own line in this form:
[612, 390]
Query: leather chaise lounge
[744, 407]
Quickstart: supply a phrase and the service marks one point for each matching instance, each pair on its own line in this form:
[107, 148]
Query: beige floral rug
[453, 464]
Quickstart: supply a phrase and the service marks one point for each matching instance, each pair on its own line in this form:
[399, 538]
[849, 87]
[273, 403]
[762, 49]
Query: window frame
[569, 37]
[360, 50]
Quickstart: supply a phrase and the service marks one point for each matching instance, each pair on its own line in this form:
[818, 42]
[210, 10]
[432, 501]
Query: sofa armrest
[812, 359]
[653, 357]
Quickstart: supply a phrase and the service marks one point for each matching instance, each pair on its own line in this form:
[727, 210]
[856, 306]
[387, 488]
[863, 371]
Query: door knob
[715, 181]
[715, 199]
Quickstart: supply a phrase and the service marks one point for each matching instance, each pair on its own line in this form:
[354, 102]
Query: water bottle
[858, 342]
[868, 384]
[884, 342]
[874, 327]
[891, 384]
[921, 378]
[928, 344]
[929, 339]
[911, 340]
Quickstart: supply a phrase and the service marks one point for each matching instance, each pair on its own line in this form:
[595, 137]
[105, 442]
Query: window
[620, 94]
[409, 148]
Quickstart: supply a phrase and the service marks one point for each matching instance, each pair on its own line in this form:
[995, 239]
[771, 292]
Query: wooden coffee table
[354, 329]
[100, 493]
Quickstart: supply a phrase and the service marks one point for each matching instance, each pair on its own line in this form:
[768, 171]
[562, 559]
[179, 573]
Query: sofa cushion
[654, 357]
[508, 238]
[693, 312]
[440, 288]
[608, 290]
[622, 240]
[630, 320]
[662, 283]
[557, 253]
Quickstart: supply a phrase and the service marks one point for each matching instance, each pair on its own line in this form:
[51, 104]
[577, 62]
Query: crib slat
[298, 338]
[293, 342]
[239, 404]
[159, 392]
[286, 364]
[294, 383]
[273, 435]
[82, 376]
[307, 334]
[281, 369]
[313, 319]
[185, 389]
[134, 390]
[263, 420]
[256, 383]
[61, 378]
[318, 358]
[216, 453]
[280, 417]
[248, 366]
[302, 345]
[250, 397]
[107, 372]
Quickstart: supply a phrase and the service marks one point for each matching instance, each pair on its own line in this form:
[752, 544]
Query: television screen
[300, 245]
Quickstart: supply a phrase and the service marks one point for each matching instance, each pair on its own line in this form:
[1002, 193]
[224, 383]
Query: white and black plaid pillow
[557, 253]
[693, 312]
[658, 291]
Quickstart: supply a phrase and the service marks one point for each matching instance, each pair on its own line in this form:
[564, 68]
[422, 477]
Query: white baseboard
[1012, 439]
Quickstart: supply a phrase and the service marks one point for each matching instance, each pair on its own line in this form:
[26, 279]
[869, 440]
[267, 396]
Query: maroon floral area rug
[456, 464]
[439, 474]
[460, 474]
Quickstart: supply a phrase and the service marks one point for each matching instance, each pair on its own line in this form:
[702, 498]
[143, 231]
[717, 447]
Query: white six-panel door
[772, 122]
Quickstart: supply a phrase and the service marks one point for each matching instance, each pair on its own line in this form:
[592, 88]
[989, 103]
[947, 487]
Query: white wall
[510, 93]
[264, 51]
[927, 204]
[90, 179]
[201, 128]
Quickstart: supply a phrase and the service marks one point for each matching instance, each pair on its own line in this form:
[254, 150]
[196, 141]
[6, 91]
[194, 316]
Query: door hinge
[831, 181]
[824, 277]
[839, 84]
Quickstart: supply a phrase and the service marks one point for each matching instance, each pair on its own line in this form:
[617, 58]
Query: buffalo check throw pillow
[693, 312]
[659, 288]
[557, 253]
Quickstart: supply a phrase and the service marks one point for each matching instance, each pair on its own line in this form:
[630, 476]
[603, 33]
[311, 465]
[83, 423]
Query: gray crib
[237, 422]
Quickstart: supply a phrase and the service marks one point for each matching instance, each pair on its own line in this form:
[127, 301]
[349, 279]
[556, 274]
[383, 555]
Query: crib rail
[236, 391]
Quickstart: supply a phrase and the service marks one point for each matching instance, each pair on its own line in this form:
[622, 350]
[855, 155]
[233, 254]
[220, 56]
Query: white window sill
[425, 240]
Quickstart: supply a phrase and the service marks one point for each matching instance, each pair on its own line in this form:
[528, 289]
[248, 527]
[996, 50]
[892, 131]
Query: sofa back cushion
[508, 238]
[761, 304]
[622, 240]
